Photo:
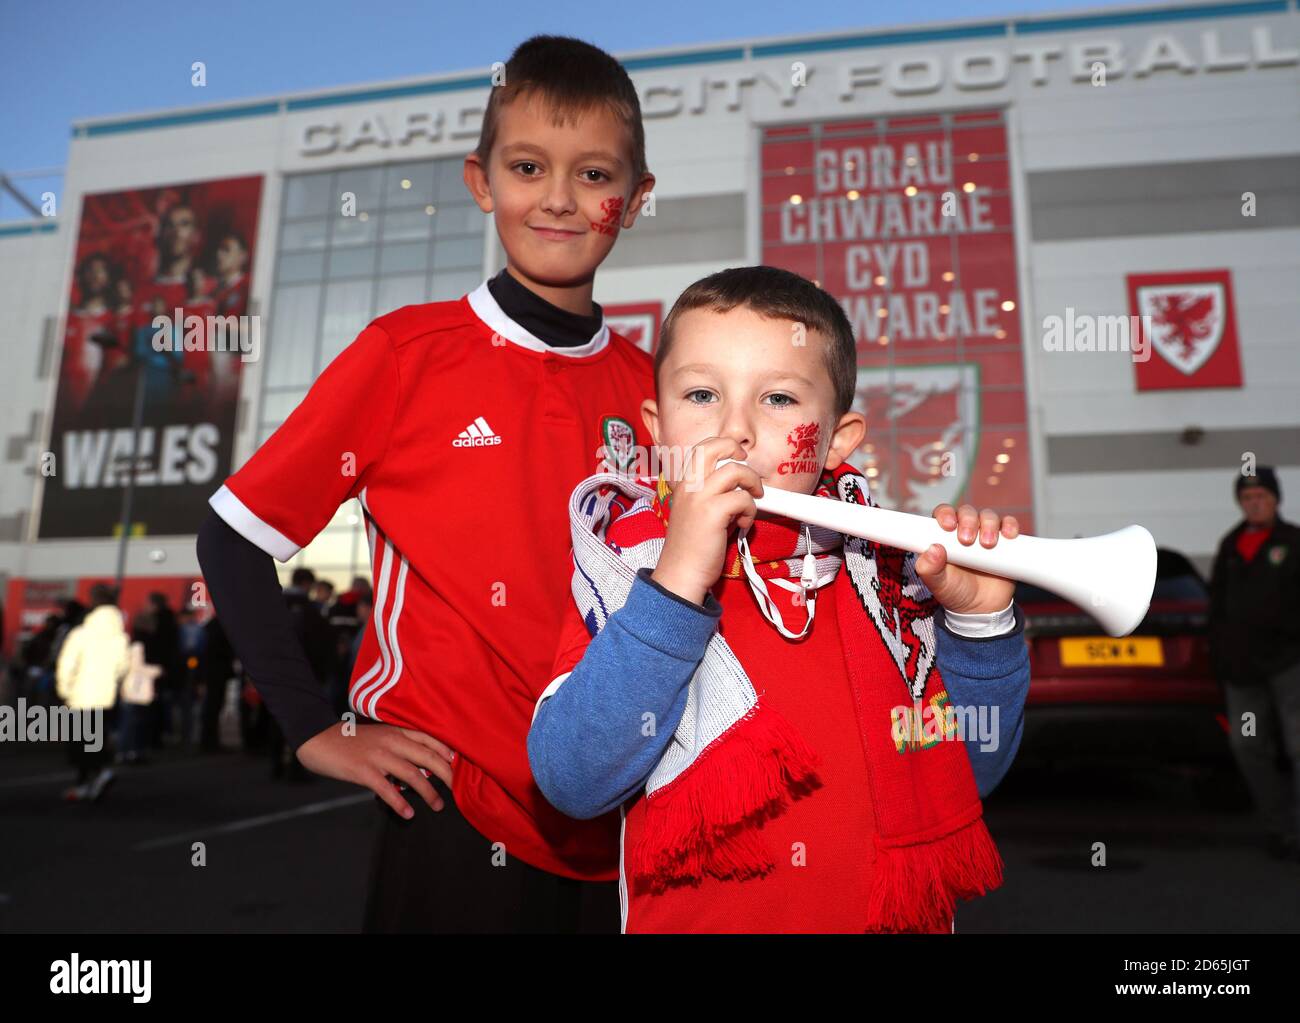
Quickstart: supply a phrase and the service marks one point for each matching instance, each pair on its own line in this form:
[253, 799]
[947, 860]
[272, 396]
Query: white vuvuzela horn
[1109, 576]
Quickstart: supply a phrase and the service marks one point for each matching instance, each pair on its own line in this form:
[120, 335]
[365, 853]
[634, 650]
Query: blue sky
[64, 60]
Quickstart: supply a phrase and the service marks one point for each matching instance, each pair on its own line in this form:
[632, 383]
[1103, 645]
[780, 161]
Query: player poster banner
[907, 221]
[1193, 329]
[158, 310]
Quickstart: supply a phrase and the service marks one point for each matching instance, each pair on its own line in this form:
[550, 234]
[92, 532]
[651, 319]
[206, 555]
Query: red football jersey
[170, 291]
[463, 435]
[231, 296]
[198, 361]
[83, 358]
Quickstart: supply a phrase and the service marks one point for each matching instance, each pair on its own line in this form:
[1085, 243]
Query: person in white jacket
[92, 662]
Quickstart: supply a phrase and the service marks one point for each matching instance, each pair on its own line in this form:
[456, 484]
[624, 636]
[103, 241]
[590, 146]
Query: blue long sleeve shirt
[590, 749]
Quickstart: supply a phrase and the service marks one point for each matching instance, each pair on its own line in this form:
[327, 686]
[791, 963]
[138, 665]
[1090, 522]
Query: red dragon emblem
[803, 440]
[897, 606]
[898, 603]
[1187, 319]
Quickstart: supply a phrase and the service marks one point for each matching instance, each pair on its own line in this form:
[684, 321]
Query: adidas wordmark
[478, 434]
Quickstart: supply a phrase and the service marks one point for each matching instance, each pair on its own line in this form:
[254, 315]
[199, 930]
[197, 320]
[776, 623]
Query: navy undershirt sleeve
[245, 591]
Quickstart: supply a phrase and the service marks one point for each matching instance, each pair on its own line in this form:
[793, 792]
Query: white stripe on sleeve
[241, 519]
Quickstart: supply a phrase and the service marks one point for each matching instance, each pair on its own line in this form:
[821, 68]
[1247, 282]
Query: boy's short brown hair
[776, 294]
[573, 77]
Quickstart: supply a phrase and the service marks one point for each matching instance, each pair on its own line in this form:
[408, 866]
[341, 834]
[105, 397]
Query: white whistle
[809, 578]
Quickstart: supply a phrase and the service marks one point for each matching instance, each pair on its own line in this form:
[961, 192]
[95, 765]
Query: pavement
[1183, 852]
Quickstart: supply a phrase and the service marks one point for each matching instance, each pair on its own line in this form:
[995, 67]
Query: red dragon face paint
[612, 212]
[804, 440]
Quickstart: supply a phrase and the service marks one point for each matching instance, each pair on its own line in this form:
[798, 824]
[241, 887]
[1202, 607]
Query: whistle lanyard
[807, 584]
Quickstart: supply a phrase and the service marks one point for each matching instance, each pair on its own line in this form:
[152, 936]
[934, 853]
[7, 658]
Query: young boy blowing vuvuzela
[764, 746]
[434, 418]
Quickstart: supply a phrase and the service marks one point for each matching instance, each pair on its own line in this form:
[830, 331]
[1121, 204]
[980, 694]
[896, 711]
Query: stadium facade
[1069, 246]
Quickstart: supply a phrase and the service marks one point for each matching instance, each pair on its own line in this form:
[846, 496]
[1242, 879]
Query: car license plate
[1102, 651]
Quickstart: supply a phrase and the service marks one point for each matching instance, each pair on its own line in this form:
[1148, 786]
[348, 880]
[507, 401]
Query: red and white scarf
[734, 762]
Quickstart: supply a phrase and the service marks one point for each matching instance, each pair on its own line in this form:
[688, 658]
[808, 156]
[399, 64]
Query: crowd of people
[168, 677]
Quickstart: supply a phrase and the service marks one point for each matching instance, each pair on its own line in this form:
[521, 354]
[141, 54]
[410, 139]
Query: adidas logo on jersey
[477, 435]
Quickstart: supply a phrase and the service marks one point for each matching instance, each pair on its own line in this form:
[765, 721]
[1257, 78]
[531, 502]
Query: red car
[1164, 661]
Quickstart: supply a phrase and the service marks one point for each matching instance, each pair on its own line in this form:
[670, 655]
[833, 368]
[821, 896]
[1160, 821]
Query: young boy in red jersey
[431, 418]
[764, 739]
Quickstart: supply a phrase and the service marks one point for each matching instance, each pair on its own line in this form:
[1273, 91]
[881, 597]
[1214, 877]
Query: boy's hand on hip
[705, 505]
[967, 590]
[374, 752]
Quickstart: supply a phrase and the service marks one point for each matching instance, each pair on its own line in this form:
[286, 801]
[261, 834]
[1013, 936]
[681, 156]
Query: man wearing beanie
[1255, 649]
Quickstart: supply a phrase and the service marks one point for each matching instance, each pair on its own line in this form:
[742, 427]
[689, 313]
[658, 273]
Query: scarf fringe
[705, 821]
[917, 887]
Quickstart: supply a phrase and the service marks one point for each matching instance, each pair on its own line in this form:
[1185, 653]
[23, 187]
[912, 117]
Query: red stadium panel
[908, 222]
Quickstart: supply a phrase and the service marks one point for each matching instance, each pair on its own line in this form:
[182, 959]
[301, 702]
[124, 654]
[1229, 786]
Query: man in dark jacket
[36, 657]
[1255, 646]
[162, 646]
